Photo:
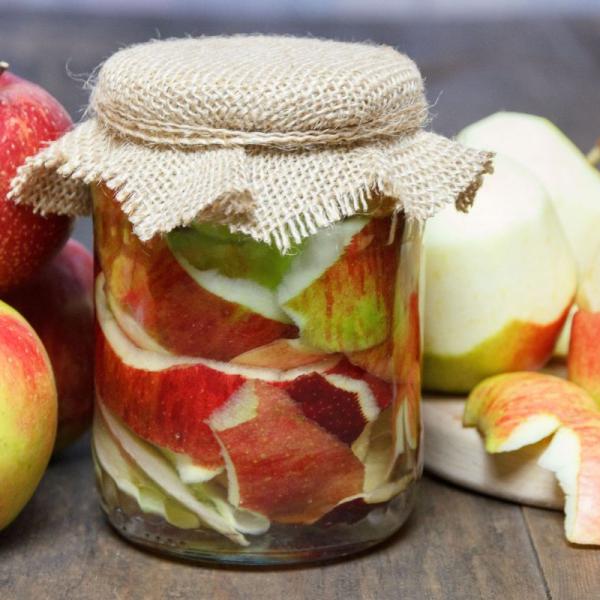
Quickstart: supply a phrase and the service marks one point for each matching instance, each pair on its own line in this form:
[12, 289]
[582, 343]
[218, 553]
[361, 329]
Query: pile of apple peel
[514, 410]
[237, 388]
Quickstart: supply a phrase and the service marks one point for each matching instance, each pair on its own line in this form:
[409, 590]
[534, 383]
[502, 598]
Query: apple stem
[3, 67]
[594, 154]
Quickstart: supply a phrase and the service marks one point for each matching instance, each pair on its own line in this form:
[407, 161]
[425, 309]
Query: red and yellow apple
[500, 281]
[183, 309]
[518, 409]
[29, 117]
[584, 352]
[407, 363]
[584, 348]
[28, 412]
[58, 303]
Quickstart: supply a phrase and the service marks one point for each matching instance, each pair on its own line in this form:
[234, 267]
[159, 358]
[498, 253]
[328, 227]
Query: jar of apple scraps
[258, 205]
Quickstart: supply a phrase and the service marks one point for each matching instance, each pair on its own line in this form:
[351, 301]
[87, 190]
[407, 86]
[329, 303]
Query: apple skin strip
[518, 409]
[161, 472]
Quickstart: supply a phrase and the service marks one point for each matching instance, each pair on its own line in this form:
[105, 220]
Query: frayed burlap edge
[274, 196]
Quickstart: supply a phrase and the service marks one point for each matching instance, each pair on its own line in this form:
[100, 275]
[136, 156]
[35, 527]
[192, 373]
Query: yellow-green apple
[29, 117]
[185, 310]
[28, 412]
[384, 359]
[584, 348]
[513, 410]
[339, 289]
[572, 183]
[500, 281]
[278, 462]
[58, 304]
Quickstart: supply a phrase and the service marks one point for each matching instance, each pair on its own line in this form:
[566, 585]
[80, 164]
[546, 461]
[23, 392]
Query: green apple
[499, 282]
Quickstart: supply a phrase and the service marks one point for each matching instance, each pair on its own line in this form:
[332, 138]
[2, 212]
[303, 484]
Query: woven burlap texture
[273, 136]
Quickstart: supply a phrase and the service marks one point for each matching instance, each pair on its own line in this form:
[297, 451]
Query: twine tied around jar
[274, 137]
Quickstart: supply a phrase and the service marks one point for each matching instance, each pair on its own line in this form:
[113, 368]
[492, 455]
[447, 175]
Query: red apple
[58, 303]
[342, 400]
[29, 117]
[340, 404]
[28, 410]
[149, 285]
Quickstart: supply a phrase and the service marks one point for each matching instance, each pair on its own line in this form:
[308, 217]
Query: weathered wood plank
[570, 571]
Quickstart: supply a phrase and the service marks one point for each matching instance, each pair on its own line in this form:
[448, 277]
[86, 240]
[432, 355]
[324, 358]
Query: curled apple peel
[518, 409]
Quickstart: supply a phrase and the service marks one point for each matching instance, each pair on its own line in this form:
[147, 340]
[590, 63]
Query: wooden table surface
[457, 544]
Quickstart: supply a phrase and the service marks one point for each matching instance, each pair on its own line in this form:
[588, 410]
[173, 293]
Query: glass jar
[256, 407]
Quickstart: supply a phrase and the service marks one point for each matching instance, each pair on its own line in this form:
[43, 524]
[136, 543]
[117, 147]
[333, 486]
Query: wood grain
[458, 544]
[571, 572]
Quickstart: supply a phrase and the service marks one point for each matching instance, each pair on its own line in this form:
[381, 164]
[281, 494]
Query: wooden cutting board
[457, 454]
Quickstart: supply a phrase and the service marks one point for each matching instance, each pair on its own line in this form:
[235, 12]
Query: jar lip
[259, 90]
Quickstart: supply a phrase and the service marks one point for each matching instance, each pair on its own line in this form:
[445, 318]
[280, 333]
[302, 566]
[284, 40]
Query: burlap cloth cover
[274, 136]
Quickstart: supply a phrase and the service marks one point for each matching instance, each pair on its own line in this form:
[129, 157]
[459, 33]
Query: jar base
[281, 545]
